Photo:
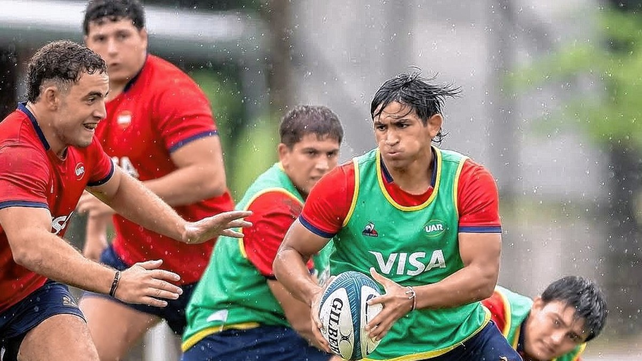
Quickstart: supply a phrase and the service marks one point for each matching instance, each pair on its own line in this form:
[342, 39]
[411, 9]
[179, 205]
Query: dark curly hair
[585, 297]
[63, 62]
[114, 10]
[309, 119]
[417, 93]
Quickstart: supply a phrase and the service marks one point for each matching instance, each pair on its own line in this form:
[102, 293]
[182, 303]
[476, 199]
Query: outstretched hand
[212, 227]
[144, 283]
[396, 304]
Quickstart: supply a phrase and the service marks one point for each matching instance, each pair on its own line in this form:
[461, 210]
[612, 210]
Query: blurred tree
[613, 120]
[277, 17]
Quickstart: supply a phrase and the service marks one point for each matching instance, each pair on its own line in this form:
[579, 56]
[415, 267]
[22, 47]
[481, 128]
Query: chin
[82, 144]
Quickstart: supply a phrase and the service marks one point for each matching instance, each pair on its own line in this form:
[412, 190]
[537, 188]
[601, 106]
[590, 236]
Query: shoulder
[475, 173]
[341, 175]
[166, 73]
[274, 200]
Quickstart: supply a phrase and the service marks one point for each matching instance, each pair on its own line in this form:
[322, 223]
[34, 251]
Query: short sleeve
[24, 176]
[184, 114]
[478, 200]
[329, 202]
[103, 168]
[273, 214]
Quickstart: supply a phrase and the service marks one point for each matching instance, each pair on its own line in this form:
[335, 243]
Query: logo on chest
[124, 119]
[60, 223]
[369, 230]
[79, 171]
[434, 228]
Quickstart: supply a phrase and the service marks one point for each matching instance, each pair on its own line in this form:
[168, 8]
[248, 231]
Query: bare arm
[289, 265]
[475, 281]
[290, 269]
[200, 174]
[34, 247]
[134, 201]
[480, 254]
[296, 312]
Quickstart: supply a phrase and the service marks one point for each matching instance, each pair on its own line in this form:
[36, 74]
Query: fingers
[377, 277]
[239, 223]
[322, 343]
[232, 233]
[144, 284]
[227, 217]
[150, 301]
[153, 264]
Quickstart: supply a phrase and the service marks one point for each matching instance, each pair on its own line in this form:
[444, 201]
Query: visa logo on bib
[435, 228]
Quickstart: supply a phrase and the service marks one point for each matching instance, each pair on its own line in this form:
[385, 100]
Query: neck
[46, 125]
[115, 88]
[413, 178]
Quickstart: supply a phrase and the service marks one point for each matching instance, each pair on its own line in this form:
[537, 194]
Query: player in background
[48, 156]
[554, 326]
[160, 129]
[239, 311]
[424, 222]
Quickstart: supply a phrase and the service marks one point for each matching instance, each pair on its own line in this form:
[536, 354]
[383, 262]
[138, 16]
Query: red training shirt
[160, 110]
[32, 175]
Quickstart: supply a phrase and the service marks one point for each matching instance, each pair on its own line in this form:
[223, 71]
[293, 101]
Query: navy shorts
[264, 343]
[51, 299]
[487, 345]
[173, 313]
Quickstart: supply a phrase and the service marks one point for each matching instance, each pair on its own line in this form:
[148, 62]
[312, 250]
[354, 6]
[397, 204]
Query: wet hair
[308, 119]
[417, 93]
[62, 62]
[113, 10]
[585, 296]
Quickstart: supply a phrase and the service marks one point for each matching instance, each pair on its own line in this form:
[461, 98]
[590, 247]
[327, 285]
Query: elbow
[486, 291]
[26, 258]
[488, 282]
[276, 266]
[215, 186]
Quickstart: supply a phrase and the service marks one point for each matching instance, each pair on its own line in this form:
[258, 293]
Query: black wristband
[114, 284]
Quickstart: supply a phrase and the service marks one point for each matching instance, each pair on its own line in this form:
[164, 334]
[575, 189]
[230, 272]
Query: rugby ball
[344, 314]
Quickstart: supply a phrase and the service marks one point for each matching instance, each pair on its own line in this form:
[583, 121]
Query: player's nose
[101, 111]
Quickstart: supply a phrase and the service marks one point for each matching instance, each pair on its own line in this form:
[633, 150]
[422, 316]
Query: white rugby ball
[344, 314]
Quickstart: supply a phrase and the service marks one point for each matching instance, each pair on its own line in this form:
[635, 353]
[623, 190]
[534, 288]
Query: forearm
[469, 284]
[290, 269]
[188, 185]
[54, 258]
[135, 202]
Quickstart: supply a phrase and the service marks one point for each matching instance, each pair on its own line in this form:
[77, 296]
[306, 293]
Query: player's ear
[538, 305]
[434, 124]
[143, 35]
[283, 151]
[51, 96]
